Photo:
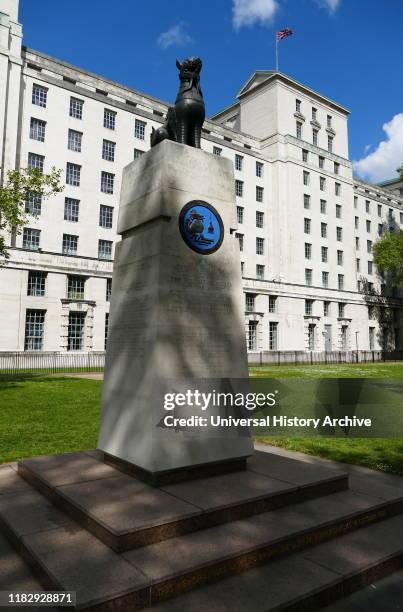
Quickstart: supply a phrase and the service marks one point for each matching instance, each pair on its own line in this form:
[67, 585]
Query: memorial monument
[176, 319]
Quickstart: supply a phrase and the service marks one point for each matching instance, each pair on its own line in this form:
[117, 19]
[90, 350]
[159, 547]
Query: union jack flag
[284, 33]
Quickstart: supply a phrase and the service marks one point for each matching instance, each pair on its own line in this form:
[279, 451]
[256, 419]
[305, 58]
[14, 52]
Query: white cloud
[381, 164]
[329, 5]
[249, 12]
[176, 35]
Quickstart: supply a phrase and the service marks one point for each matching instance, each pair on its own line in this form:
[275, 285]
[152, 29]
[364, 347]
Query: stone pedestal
[176, 315]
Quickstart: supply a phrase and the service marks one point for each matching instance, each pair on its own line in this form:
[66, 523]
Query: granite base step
[125, 513]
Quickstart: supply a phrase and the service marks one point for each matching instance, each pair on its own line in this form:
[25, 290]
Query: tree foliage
[388, 257]
[18, 187]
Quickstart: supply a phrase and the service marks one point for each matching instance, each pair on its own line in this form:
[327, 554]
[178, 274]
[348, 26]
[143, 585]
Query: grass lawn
[42, 415]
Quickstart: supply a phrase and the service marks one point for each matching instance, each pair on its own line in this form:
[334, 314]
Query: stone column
[176, 310]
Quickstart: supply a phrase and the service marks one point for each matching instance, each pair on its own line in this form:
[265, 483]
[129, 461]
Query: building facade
[306, 227]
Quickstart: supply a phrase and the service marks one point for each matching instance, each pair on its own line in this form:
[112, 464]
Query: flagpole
[276, 52]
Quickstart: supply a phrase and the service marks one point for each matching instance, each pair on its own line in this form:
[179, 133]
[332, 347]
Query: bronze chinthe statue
[184, 121]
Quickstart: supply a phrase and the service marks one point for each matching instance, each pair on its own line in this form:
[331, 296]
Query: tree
[19, 186]
[388, 257]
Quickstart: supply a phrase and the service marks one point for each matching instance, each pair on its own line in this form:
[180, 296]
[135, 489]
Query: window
[324, 253]
[75, 287]
[70, 244]
[105, 249]
[37, 129]
[108, 150]
[390, 214]
[242, 267]
[75, 334]
[325, 279]
[36, 161]
[357, 265]
[370, 264]
[323, 230]
[305, 155]
[338, 211]
[238, 163]
[371, 332]
[339, 258]
[109, 119]
[297, 106]
[307, 201]
[39, 95]
[357, 243]
[106, 329]
[379, 210]
[330, 144]
[340, 281]
[355, 201]
[339, 234]
[239, 214]
[308, 250]
[308, 276]
[329, 121]
[73, 174]
[323, 207]
[34, 330]
[240, 240]
[74, 141]
[273, 334]
[36, 283]
[326, 309]
[138, 153]
[259, 169]
[272, 303]
[371, 312]
[337, 189]
[105, 216]
[259, 194]
[33, 204]
[76, 108]
[252, 335]
[315, 136]
[107, 182]
[322, 183]
[367, 206]
[217, 151]
[305, 177]
[368, 225]
[307, 226]
[356, 222]
[108, 292]
[308, 307]
[31, 238]
[369, 246]
[344, 337]
[71, 209]
[298, 129]
[311, 336]
[239, 188]
[321, 161]
[259, 271]
[259, 219]
[314, 113]
[139, 129]
[250, 299]
[336, 167]
[259, 246]
[341, 310]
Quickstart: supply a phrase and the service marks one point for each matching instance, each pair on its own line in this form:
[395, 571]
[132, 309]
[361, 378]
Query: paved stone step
[126, 513]
[66, 556]
[307, 580]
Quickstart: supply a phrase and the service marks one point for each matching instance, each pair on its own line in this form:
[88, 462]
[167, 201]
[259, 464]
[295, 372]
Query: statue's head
[191, 64]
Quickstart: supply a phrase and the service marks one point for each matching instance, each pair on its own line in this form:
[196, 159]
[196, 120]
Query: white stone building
[306, 227]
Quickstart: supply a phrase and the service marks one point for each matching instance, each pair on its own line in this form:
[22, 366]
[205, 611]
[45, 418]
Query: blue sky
[349, 50]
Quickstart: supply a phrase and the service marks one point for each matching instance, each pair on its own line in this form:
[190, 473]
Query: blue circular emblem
[201, 227]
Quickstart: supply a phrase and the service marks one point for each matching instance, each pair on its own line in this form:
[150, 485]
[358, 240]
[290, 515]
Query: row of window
[306, 180]
[33, 205]
[35, 330]
[239, 160]
[40, 98]
[315, 136]
[323, 229]
[36, 286]
[391, 211]
[259, 216]
[260, 244]
[314, 113]
[323, 206]
[341, 309]
[239, 190]
[325, 279]
[31, 240]
[321, 161]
